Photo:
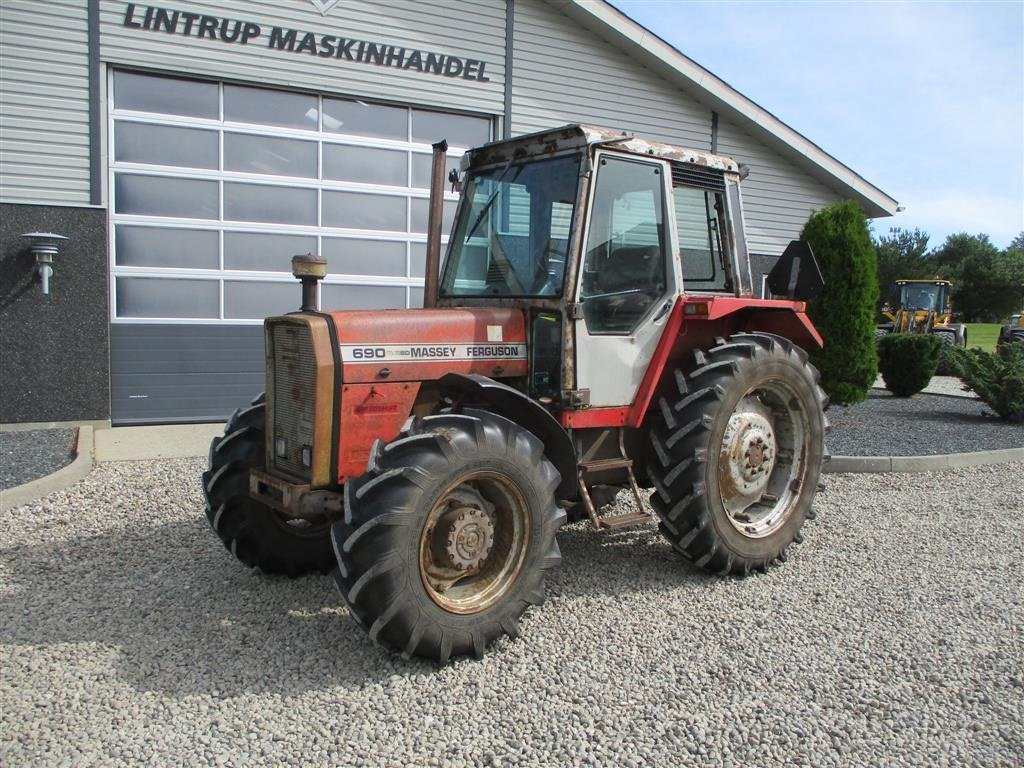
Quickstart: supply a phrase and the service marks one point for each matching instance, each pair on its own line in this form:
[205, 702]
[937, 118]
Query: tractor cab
[595, 235]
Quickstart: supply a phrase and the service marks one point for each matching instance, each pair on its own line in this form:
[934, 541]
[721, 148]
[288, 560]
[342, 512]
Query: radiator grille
[293, 384]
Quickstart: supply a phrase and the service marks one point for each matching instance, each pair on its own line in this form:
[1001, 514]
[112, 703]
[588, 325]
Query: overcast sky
[923, 99]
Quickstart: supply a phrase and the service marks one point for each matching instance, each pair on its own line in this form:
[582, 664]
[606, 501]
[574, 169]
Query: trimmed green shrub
[907, 361]
[844, 311]
[997, 378]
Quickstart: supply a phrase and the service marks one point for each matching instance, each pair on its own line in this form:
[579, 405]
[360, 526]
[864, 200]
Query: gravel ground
[29, 455]
[922, 425]
[892, 636]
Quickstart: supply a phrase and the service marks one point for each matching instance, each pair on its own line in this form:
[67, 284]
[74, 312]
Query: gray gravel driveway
[894, 635]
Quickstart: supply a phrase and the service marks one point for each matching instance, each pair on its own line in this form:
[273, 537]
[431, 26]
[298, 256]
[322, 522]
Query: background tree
[988, 284]
[844, 312]
[901, 255]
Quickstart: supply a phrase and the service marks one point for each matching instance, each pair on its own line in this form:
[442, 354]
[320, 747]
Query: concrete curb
[79, 467]
[885, 464]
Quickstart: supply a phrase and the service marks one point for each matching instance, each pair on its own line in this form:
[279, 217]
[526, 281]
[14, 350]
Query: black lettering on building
[233, 34]
[208, 27]
[374, 54]
[307, 44]
[345, 50]
[166, 19]
[190, 19]
[282, 40]
[326, 46]
[251, 31]
[129, 17]
[174, 22]
[453, 67]
[435, 63]
[415, 61]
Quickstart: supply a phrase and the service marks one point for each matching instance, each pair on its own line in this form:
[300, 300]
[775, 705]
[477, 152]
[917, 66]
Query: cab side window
[624, 272]
[700, 217]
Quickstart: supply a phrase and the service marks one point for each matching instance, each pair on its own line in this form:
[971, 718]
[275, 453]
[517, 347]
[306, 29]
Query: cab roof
[578, 137]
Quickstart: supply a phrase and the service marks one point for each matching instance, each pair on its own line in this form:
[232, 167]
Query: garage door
[214, 186]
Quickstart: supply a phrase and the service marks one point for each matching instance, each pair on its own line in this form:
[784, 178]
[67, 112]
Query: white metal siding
[778, 195]
[563, 73]
[473, 29]
[44, 93]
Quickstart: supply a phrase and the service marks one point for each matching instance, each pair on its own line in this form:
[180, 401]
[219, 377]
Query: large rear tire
[738, 442]
[257, 535]
[448, 536]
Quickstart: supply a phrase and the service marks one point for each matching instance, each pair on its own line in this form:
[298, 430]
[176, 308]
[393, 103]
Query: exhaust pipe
[434, 223]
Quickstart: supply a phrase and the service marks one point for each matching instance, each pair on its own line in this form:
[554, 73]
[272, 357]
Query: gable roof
[640, 43]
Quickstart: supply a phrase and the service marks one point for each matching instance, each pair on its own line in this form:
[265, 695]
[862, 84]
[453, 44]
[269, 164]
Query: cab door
[628, 280]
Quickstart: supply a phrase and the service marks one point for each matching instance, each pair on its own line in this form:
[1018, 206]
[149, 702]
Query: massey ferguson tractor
[593, 329]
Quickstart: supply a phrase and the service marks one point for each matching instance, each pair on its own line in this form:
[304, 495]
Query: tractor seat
[630, 267]
[630, 281]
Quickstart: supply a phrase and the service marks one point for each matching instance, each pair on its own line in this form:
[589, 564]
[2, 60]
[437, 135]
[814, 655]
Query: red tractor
[593, 329]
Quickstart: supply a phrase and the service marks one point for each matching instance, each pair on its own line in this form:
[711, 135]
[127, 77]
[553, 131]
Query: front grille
[292, 385]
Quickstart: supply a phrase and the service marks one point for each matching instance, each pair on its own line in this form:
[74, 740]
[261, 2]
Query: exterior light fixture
[44, 246]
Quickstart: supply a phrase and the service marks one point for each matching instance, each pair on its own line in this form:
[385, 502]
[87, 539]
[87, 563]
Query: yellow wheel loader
[924, 306]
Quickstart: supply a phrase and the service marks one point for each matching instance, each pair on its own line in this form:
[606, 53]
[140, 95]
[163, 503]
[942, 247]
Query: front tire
[257, 535]
[738, 443]
[448, 536]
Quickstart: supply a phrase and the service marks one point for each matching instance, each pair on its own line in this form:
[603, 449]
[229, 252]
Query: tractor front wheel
[738, 443]
[448, 536]
[257, 535]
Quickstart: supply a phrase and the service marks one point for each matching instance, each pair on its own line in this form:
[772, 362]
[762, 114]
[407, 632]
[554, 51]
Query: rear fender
[795, 326]
[695, 323]
[491, 395]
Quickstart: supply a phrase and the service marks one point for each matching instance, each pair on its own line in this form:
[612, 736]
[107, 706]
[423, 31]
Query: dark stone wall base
[55, 349]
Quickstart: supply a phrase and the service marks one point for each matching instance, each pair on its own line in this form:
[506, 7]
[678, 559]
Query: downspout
[510, 21]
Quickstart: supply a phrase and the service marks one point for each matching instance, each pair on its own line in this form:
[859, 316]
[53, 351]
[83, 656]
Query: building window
[215, 186]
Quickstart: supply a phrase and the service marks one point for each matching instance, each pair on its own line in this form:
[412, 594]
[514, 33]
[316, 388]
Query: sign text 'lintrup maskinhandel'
[216, 28]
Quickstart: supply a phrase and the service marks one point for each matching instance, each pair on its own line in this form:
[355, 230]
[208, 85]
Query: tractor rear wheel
[738, 443]
[448, 536]
[257, 535]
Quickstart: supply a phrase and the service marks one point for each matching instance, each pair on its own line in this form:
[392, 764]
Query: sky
[925, 100]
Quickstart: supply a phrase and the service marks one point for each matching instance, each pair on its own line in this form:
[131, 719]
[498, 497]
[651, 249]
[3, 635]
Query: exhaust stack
[434, 223]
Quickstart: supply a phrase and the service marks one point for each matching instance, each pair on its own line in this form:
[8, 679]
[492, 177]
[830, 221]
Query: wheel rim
[474, 542]
[762, 458]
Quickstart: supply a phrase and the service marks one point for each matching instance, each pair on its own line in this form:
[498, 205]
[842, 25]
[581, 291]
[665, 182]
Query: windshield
[918, 296]
[512, 235]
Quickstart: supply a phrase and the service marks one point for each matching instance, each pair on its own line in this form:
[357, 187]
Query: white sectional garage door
[214, 186]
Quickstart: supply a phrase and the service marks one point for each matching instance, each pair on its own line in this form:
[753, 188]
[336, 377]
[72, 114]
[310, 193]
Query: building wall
[44, 87]
[778, 196]
[54, 349]
[563, 73]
